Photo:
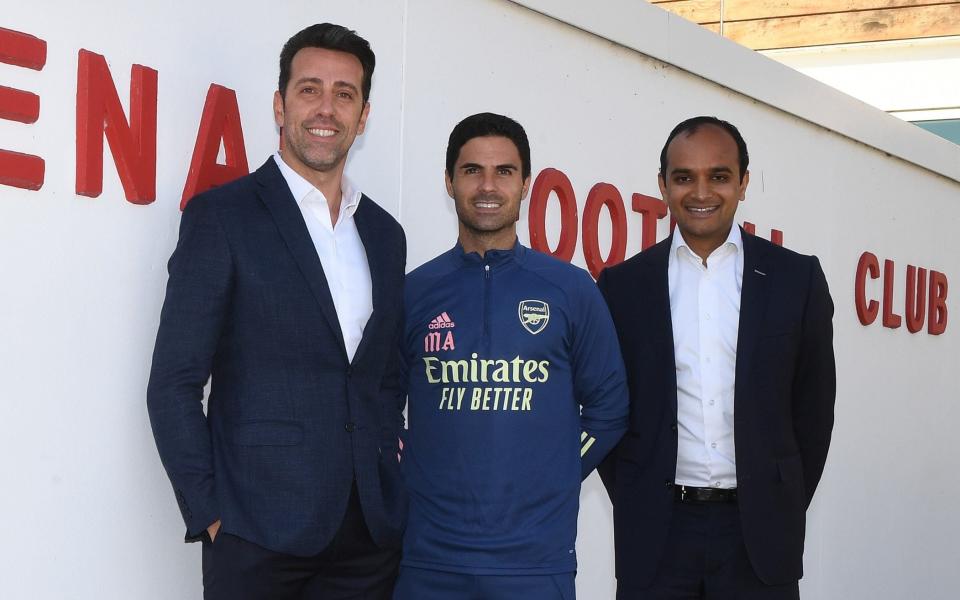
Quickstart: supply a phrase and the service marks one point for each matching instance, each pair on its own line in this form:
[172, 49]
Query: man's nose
[702, 189]
[324, 105]
[488, 183]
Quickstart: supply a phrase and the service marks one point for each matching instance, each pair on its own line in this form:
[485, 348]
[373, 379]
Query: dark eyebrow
[346, 84]
[318, 81]
[304, 80]
[509, 166]
[713, 170]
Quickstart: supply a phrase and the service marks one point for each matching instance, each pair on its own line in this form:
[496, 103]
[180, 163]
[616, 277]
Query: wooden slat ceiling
[770, 24]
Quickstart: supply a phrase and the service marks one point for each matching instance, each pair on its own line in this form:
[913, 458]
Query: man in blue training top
[516, 391]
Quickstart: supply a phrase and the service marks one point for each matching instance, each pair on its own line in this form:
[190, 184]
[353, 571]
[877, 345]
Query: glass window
[945, 128]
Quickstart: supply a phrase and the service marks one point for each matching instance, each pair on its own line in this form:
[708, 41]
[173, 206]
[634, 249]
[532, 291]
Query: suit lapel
[371, 236]
[661, 323]
[276, 195]
[657, 264]
[753, 304]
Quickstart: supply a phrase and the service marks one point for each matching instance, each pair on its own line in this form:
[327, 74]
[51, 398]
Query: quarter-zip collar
[494, 258]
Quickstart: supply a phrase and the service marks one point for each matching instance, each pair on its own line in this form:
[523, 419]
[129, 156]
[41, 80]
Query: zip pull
[486, 271]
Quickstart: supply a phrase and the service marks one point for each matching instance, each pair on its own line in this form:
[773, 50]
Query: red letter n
[99, 114]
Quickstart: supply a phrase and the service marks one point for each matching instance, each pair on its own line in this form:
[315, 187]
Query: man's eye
[721, 178]
[470, 170]
[345, 95]
[505, 172]
[308, 90]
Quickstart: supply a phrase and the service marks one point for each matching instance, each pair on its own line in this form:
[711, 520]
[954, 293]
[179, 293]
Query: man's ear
[278, 108]
[449, 182]
[363, 118]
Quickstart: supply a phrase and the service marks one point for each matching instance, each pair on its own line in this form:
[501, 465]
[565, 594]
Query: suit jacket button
[668, 484]
[349, 371]
[673, 427]
[350, 427]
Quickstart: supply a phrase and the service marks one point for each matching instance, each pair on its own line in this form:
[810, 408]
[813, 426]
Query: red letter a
[220, 121]
[134, 146]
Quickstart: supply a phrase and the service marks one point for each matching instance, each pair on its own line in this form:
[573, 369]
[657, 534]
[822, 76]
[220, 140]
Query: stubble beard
[323, 164]
[481, 230]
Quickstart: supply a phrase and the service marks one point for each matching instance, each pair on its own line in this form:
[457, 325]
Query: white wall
[88, 512]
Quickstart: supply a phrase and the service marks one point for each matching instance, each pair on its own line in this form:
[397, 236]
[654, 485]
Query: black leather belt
[686, 493]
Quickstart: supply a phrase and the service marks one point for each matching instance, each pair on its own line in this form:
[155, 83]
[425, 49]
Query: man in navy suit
[728, 345]
[285, 291]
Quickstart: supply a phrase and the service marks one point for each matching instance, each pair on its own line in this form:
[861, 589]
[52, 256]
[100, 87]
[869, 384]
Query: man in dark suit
[285, 290]
[728, 344]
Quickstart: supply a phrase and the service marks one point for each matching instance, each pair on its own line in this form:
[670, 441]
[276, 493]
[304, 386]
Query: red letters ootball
[602, 195]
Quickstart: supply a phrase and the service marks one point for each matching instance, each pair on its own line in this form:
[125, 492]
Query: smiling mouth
[487, 204]
[322, 132]
[702, 210]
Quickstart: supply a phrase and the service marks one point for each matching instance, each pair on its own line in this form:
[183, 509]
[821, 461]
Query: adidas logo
[441, 321]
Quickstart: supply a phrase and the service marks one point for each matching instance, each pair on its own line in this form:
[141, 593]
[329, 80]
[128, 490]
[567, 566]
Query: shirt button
[713, 445]
[707, 315]
[712, 402]
[716, 484]
[350, 427]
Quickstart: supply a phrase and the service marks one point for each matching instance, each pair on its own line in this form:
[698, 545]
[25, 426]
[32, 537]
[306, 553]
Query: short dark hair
[690, 126]
[329, 37]
[483, 125]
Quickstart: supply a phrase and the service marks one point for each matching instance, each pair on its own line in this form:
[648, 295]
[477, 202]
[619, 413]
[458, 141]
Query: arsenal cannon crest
[534, 315]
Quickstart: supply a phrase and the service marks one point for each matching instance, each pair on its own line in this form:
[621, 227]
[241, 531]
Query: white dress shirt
[705, 312]
[340, 250]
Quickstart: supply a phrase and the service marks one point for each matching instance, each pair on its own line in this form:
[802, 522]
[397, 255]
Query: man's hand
[213, 529]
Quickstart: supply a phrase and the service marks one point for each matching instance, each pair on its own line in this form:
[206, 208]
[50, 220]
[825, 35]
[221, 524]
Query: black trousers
[705, 559]
[352, 567]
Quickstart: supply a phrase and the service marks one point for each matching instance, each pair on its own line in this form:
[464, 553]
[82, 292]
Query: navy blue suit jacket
[783, 407]
[291, 423]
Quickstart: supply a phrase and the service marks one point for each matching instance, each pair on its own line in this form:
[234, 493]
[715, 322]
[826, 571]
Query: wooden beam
[843, 28]
[698, 11]
[739, 10]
